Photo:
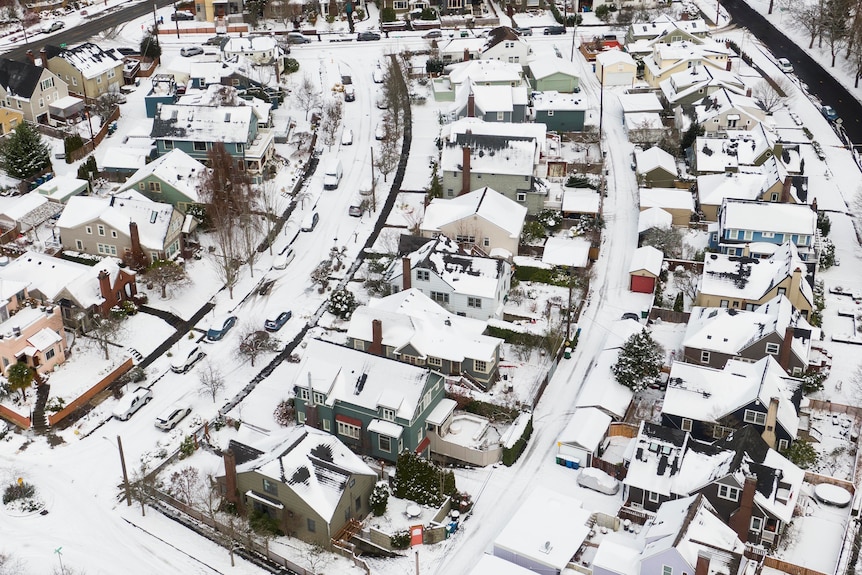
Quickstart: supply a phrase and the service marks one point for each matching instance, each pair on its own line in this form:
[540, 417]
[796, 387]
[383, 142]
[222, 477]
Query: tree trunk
[770, 7]
[811, 44]
[164, 291]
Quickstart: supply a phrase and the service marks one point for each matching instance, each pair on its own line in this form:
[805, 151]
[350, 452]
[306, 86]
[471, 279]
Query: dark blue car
[220, 327]
[277, 323]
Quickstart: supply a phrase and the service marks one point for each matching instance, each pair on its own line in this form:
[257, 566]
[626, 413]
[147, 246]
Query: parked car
[349, 94]
[829, 113]
[283, 259]
[132, 402]
[220, 326]
[180, 15]
[784, 65]
[433, 34]
[216, 40]
[347, 137]
[355, 211]
[297, 38]
[171, 417]
[126, 51]
[185, 359]
[555, 30]
[277, 323]
[631, 315]
[382, 104]
[310, 222]
[191, 51]
[597, 480]
[524, 31]
[49, 27]
[367, 36]
[377, 76]
[380, 131]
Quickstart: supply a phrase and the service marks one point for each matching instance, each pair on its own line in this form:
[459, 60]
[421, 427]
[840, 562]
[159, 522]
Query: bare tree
[809, 17]
[320, 275]
[307, 95]
[249, 233]
[835, 18]
[854, 53]
[11, 565]
[332, 120]
[186, 485]
[668, 241]
[105, 331]
[142, 482]
[211, 380]
[395, 94]
[269, 203]
[255, 342]
[389, 154]
[771, 98]
[687, 281]
[167, 273]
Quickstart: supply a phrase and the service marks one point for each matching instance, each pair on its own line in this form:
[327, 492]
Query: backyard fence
[85, 397]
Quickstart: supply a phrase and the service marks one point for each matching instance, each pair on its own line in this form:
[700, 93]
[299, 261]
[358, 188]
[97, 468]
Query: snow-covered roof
[247, 44]
[492, 565]
[314, 464]
[43, 339]
[645, 102]
[484, 203]
[692, 82]
[336, 371]
[586, 428]
[668, 198]
[175, 168]
[88, 58]
[656, 458]
[548, 529]
[712, 189]
[768, 217]
[654, 218]
[485, 71]
[553, 100]
[409, 317]
[647, 258]
[730, 331]
[544, 67]
[504, 155]
[227, 124]
[60, 188]
[29, 210]
[455, 131]
[738, 148]
[611, 57]
[124, 158]
[153, 218]
[643, 121]
[705, 394]
[655, 157]
[618, 555]
[456, 46]
[567, 252]
[602, 390]
[581, 201]
[725, 100]
[664, 24]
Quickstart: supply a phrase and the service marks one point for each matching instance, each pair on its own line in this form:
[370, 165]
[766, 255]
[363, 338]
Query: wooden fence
[85, 397]
[835, 407]
[622, 429]
[669, 315]
[14, 418]
[90, 145]
[789, 568]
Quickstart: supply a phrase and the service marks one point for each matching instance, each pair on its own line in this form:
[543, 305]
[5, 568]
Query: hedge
[511, 455]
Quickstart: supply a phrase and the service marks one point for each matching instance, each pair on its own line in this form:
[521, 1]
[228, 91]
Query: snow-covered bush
[379, 499]
[639, 362]
[342, 303]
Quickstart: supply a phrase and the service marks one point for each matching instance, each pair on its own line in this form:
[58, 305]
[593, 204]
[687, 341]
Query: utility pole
[125, 474]
[574, 31]
[176, 20]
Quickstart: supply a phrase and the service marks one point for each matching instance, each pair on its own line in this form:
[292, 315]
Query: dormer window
[387, 414]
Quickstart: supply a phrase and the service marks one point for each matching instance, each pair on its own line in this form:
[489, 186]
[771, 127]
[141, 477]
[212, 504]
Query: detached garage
[583, 435]
[645, 269]
[616, 68]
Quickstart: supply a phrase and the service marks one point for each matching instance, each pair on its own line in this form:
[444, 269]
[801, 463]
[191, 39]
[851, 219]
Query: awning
[386, 428]
[733, 116]
[263, 499]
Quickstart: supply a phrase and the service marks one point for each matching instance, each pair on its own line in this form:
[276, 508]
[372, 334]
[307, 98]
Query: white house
[583, 434]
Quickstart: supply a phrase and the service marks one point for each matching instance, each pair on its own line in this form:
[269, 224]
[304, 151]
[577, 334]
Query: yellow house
[747, 283]
[217, 11]
[668, 59]
[9, 119]
[88, 70]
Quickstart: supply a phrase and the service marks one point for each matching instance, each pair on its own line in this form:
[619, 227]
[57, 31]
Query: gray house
[560, 112]
[491, 103]
[408, 326]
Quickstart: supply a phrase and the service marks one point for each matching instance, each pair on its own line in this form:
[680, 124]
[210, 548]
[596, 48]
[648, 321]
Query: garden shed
[645, 268]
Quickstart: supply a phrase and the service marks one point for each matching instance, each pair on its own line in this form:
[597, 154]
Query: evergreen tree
[150, 47]
[640, 362]
[24, 154]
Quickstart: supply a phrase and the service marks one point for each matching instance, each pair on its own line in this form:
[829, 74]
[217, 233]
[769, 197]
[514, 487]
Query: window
[300, 417]
[318, 397]
[101, 229]
[550, 113]
[728, 492]
[704, 356]
[155, 187]
[768, 234]
[240, 148]
[47, 83]
[755, 417]
[782, 291]
[385, 443]
[423, 275]
[74, 82]
[270, 487]
[772, 348]
[400, 5]
[465, 239]
[113, 233]
[311, 525]
[107, 249]
[723, 303]
[474, 302]
[797, 371]
[480, 365]
[99, 80]
[169, 144]
[782, 444]
[486, 242]
[79, 245]
[435, 361]
[358, 504]
[756, 524]
[388, 414]
[720, 432]
[200, 146]
[501, 116]
[440, 297]
[348, 430]
[49, 354]
[41, 103]
[686, 424]
[302, 393]
[666, 570]
[326, 425]
[653, 497]
[521, 197]
[89, 230]
[774, 197]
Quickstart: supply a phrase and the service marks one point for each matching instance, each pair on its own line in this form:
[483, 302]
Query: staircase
[134, 354]
[39, 421]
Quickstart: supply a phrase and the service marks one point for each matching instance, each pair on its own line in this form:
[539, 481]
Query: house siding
[165, 193]
[704, 430]
[670, 557]
[558, 82]
[561, 120]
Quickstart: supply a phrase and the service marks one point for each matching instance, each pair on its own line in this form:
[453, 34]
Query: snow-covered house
[725, 110]
[689, 86]
[124, 225]
[567, 252]
[553, 75]
[502, 156]
[654, 218]
[583, 435]
[601, 389]
[655, 167]
[61, 188]
[710, 403]
[545, 532]
[679, 203]
[408, 326]
[560, 112]
[307, 481]
[377, 406]
[743, 282]
[478, 73]
[23, 213]
[667, 59]
[663, 28]
[616, 68]
[715, 335]
[580, 202]
[497, 103]
[482, 221]
[29, 334]
[506, 45]
[653, 462]
[464, 284]
[79, 291]
[492, 565]
[743, 222]
[734, 150]
[260, 50]
[645, 269]
[174, 178]
[87, 69]
[31, 91]
[461, 49]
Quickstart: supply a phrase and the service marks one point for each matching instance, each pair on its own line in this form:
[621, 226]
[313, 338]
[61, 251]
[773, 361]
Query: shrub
[603, 12]
[379, 499]
[16, 491]
[824, 224]
[400, 540]
[549, 218]
[263, 524]
[434, 66]
[72, 143]
[388, 14]
[428, 14]
[419, 480]
[290, 65]
[511, 454]
[285, 413]
[187, 447]
[801, 454]
[87, 168]
[580, 181]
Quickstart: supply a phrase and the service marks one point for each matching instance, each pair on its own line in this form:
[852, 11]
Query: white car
[132, 402]
[377, 76]
[380, 131]
[784, 65]
[186, 358]
[283, 259]
[49, 27]
[347, 137]
[171, 417]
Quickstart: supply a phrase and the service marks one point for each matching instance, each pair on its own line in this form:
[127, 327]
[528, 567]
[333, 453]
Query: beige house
[29, 333]
[307, 481]
[88, 70]
[480, 221]
[27, 91]
[616, 68]
[679, 203]
[9, 119]
[668, 59]
[726, 110]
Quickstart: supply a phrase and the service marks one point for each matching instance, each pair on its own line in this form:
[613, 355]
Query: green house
[554, 74]
[376, 406]
[172, 179]
[560, 112]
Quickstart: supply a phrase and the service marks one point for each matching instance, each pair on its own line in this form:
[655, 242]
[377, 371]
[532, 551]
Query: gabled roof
[767, 217]
[567, 251]
[736, 148]
[586, 428]
[479, 71]
[496, 154]
[647, 258]
[646, 102]
[175, 168]
[654, 218]
[664, 24]
[19, 78]
[485, 203]
[313, 464]
[610, 57]
[409, 317]
[553, 100]
[88, 58]
[668, 198]
[696, 79]
[544, 67]
[656, 456]
[705, 394]
[500, 34]
[712, 189]
[228, 124]
[655, 157]
[725, 100]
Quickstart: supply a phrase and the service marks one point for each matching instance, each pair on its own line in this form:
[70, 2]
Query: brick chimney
[105, 290]
[471, 106]
[466, 55]
[747, 91]
[768, 434]
[43, 56]
[231, 493]
[406, 270]
[702, 566]
[784, 352]
[31, 57]
[465, 170]
[135, 238]
[746, 250]
[785, 189]
[376, 346]
[740, 521]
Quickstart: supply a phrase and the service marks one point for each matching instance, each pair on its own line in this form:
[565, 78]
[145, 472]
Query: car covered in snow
[597, 480]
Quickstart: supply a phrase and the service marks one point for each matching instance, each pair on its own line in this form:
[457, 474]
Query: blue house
[163, 91]
[376, 406]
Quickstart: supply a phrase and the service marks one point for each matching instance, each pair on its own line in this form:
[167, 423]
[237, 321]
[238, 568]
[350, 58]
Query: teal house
[374, 405]
[560, 112]
[174, 178]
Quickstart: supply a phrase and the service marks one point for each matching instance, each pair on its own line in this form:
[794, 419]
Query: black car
[555, 30]
[367, 36]
[182, 15]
